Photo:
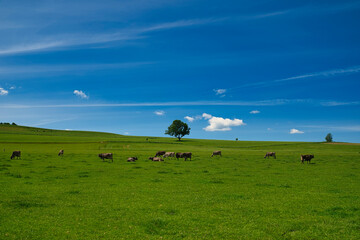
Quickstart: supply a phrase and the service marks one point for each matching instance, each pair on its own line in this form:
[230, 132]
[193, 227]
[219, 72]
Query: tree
[329, 137]
[178, 129]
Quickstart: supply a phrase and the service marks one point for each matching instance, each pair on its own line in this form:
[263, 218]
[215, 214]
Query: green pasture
[238, 196]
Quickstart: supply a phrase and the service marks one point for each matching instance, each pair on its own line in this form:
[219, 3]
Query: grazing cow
[132, 159]
[156, 159]
[61, 152]
[169, 154]
[216, 153]
[107, 156]
[16, 154]
[306, 158]
[185, 155]
[270, 154]
[159, 153]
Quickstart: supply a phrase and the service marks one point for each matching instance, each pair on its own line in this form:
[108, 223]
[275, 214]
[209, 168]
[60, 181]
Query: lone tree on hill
[178, 129]
[329, 137]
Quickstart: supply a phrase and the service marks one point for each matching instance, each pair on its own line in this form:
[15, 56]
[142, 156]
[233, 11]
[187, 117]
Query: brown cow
[169, 154]
[156, 159]
[270, 154]
[216, 153]
[306, 158]
[61, 152]
[106, 155]
[16, 154]
[185, 155]
[159, 153]
[132, 159]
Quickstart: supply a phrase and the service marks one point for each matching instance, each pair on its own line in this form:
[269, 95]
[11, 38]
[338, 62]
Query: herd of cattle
[186, 155]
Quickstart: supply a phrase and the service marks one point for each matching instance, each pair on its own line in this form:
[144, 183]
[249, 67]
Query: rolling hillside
[238, 196]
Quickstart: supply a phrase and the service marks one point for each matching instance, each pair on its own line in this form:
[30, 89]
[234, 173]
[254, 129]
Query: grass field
[238, 196]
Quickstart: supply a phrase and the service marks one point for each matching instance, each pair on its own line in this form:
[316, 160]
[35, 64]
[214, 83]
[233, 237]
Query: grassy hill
[238, 196]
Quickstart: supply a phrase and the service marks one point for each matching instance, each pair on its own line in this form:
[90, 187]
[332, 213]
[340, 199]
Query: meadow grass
[238, 196]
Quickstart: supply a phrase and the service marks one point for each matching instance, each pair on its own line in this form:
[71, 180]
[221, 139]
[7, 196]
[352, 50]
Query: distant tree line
[6, 123]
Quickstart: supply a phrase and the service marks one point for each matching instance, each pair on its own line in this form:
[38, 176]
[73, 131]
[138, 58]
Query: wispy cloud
[37, 46]
[347, 128]
[220, 92]
[30, 19]
[270, 14]
[3, 92]
[181, 24]
[69, 40]
[254, 112]
[338, 103]
[308, 76]
[86, 39]
[20, 69]
[81, 94]
[49, 121]
[329, 73]
[159, 112]
[295, 131]
[275, 102]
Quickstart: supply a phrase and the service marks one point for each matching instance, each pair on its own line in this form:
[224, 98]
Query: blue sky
[253, 70]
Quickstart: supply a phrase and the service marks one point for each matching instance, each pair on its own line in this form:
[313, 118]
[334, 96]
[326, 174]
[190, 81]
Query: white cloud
[220, 92]
[190, 119]
[295, 131]
[68, 129]
[206, 116]
[12, 87]
[3, 92]
[159, 113]
[269, 129]
[221, 124]
[81, 94]
[255, 112]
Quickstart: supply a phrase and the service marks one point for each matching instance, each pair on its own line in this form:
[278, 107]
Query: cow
[16, 154]
[107, 156]
[61, 152]
[306, 158]
[185, 155]
[132, 159]
[159, 153]
[169, 154]
[156, 159]
[216, 153]
[270, 154]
